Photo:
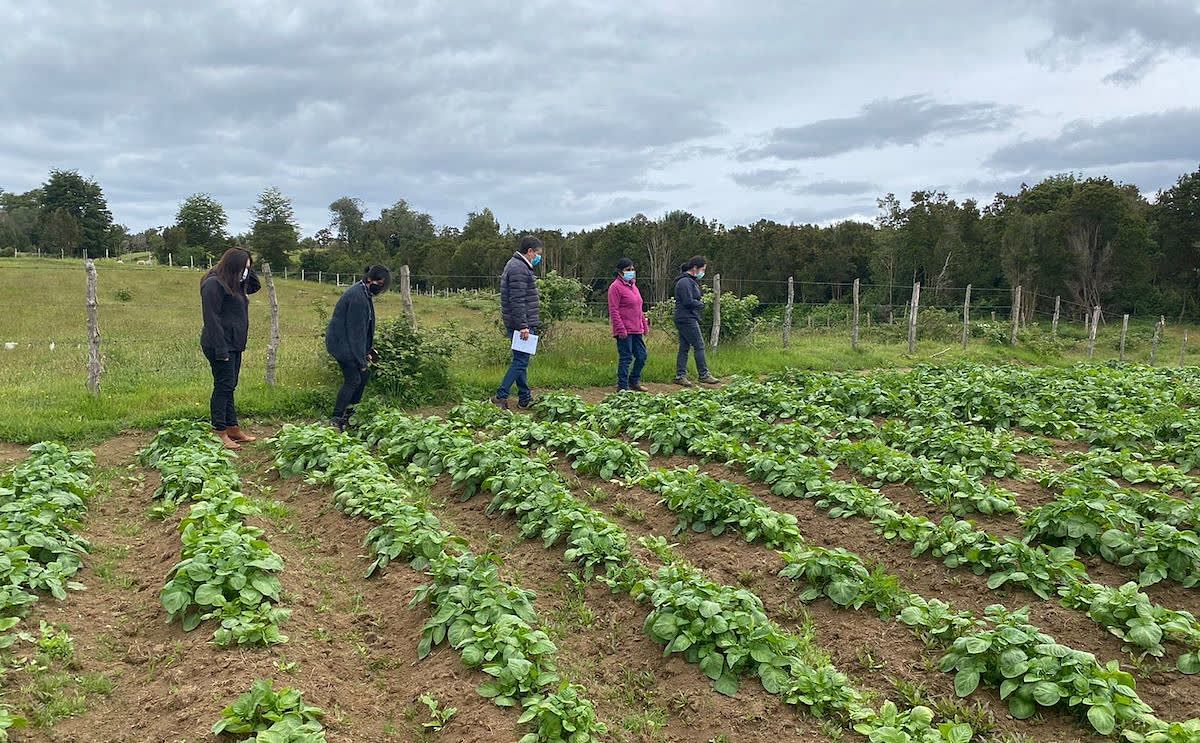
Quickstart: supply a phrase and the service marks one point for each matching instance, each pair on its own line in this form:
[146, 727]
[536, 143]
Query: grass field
[153, 368]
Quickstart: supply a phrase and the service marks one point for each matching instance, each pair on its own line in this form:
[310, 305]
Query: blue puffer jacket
[519, 302]
[688, 301]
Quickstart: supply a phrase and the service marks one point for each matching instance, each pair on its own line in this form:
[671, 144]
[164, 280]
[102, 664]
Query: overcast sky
[575, 114]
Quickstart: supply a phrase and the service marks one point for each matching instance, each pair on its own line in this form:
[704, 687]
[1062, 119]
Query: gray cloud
[1144, 30]
[765, 177]
[887, 122]
[1168, 136]
[562, 114]
[837, 188]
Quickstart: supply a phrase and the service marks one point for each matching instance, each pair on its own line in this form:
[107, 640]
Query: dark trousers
[517, 374]
[630, 350]
[354, 381]
[690, 338]
[225, 380]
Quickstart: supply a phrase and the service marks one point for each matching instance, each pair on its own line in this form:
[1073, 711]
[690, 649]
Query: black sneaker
[338, 424]
[526, 404]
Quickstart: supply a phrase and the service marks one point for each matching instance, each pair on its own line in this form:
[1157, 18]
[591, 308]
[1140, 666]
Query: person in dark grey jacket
[225, 308]
[520, 310]
[688, 309]
[350, 340]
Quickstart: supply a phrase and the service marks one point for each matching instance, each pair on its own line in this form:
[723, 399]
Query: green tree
[61, 231]
[275, 233]
[350, 222]
[82, 199]
[203, 221]
[1176, 218]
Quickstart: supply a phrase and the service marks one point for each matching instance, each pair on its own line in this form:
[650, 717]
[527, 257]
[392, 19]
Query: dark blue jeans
[516, 374]
[630, 349]
[690, 338]
[354, 381]
[225, 380]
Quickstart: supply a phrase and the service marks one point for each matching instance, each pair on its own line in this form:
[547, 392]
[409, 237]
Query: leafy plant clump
[414, 365]
[267, 715]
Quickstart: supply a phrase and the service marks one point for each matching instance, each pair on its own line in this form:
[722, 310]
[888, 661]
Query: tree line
[1090, 240]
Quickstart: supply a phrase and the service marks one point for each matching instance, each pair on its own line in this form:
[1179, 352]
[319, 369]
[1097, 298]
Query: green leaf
[1046, 693]
[965, 682]
[1102, 718]
[727, 684]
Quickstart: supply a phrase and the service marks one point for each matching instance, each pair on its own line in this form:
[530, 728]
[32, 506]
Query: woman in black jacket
[689, 307]
[350, 340]
[226, 310]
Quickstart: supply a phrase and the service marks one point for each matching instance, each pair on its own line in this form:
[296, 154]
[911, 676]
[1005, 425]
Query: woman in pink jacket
[629, 327]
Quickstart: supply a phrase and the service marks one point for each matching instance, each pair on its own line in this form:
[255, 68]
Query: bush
[413, 366]
[123, 295]
[737, 314]
[561, 297]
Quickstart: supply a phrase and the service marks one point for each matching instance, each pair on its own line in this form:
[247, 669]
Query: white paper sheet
[529, 346]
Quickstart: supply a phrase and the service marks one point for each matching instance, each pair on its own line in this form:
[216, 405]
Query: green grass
[154, 370]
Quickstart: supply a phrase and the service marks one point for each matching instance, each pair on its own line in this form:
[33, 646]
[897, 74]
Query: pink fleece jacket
[625, 309]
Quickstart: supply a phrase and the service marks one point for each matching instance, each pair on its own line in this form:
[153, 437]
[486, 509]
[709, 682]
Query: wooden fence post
[1092, 331]
[170, 260]
[302, 274]
[716, 329]
[1182, 347]
[1124, 332]
[854, 331]
[914, 307]
[1054, 322]
[1158, 328]
[966, 318]
[787, 313]
[1016, 316]
[319, 277]
[337, 279]
[93, 364]
[406, 295]
[273, 339]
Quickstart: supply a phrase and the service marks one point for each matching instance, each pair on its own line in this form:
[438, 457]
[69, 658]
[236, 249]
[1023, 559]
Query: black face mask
[375, 289]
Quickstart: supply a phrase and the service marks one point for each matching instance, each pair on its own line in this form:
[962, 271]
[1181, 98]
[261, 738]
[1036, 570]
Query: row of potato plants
[491, 623]
[227, 571]
[784, 466]
[705, 504]
[1125, 526]
[1118, 407]
[42, 501]
[1029, 667]
[722, 629]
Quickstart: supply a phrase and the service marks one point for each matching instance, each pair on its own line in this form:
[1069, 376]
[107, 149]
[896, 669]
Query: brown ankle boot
[227, 440]
[236, 434]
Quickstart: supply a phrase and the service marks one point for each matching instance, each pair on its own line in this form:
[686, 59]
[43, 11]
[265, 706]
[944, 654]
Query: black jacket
[226, 316]
[688, 303]
[351, 331]
[520, 306]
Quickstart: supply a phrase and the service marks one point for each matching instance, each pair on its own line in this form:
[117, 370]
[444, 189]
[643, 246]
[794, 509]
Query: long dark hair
[229, 270]
[696, 261]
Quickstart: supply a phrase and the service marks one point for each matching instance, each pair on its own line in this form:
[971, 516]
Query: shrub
[413, 366]
[561, 297]
[123, 295]
[737, 314]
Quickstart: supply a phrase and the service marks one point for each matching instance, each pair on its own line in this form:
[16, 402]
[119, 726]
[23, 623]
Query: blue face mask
[629, 275]
[537, 259]
[699, 274]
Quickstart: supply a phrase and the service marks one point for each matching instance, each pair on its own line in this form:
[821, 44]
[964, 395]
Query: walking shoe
[709, 379]
[639, 387]
[240, 436]
[229, 443]
[624, 389]
[338, 424]
[500, 402]
[683, 382]
[526, 404]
